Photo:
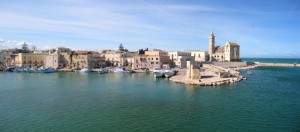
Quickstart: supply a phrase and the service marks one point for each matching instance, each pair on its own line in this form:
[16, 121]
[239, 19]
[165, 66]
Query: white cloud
[104, 23]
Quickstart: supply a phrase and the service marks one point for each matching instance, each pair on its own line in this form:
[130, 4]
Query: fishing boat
[119, 70]
[48, 70]
[85, 70]
[158, 72]
[9, 69]
[102, 71]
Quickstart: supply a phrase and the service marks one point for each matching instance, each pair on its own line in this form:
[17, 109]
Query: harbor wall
[230, 64]
[276, 64]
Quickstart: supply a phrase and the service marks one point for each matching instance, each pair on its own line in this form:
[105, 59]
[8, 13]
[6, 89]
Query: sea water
[269, 100]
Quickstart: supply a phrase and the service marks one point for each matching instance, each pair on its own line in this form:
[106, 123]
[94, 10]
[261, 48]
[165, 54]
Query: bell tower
[211, 45]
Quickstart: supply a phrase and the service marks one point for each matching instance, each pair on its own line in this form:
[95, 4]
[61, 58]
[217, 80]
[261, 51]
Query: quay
[208, 78]
[207, 75]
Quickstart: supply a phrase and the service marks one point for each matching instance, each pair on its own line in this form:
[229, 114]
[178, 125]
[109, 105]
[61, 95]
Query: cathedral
[229, 52]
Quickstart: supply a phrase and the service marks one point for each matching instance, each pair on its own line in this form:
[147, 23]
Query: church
[229, 52]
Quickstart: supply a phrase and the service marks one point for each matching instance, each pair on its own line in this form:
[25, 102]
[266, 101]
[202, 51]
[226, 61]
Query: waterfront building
[152, 59]
[118, 58]
[180, 58]
[52, 60]
[8, 57]
[58, 57]
[30, 59]
[82, 59]
[1, 58]
[229, 52]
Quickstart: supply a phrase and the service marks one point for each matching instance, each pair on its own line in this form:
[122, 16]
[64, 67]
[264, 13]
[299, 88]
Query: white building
[180, 58]
[199, 55]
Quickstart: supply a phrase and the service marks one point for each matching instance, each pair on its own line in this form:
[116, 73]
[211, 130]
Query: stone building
[152, 59]
[30, 59]
[2, 55]
[118, 58]
[58, 57]
[180, 58]
[82, 59]
[229, 52]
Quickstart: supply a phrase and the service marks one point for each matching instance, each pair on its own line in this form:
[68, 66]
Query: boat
[158, 72]
[19, 69]
[48, 70]
[102, 71]
[9, 69]
[33, 70]
[85, 70]
[249, 72]
[119, 70]
[169, 72]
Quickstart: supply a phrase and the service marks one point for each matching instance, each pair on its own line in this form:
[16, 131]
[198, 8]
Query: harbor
[69, 101]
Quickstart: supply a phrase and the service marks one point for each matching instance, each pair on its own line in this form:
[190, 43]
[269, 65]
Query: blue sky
[263, 28]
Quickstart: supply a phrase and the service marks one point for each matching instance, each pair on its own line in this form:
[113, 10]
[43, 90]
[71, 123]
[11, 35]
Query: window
[156, 58]
[152, 58]
[152, 62]
[156, 62]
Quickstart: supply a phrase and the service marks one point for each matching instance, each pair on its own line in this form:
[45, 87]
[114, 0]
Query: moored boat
[158, 72]
[119, 70]
[48, 70]
[169, 72]
[86, 69]
[102, 71]
[9, 69]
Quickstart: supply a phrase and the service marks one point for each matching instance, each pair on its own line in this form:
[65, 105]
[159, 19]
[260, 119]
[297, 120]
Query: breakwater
[277, 64]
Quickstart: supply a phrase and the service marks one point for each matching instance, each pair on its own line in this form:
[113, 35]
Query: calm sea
[268, 101]
[273, 60]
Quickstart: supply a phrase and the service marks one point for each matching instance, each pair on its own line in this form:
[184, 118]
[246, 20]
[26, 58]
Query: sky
[262, 28]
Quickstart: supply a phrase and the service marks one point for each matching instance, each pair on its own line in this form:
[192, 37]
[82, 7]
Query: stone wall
[230, 64]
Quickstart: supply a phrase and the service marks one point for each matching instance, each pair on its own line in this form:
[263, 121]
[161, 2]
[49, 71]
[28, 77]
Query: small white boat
[158, 72]
[119, 69]
[48, 70]
[249, 72]
[102, 71]
[169, 73]
[86, 69]
[32, 70]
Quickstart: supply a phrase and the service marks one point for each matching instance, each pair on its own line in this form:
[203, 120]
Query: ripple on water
[138, 102]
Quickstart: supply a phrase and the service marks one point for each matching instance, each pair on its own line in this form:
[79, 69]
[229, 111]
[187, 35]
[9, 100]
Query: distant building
[152, 59]
[229, 52]
[58, 57]
[118, 58]
[81, 59]
[30, 59]
[200, 56]
[2, 55]
[180, 58]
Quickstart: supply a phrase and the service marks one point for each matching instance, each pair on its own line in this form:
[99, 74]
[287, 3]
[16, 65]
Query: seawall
[276, 64]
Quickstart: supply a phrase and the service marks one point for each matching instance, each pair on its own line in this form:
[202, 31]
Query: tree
[121, 48]
[25, 47]
[141, 51]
